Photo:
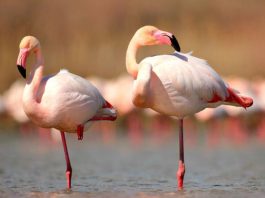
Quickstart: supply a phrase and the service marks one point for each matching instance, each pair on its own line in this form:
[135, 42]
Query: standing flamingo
[176, 85]
[63, 101]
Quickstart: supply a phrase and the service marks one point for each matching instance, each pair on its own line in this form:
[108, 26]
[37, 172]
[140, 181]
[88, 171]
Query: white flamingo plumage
[63, 101]
[176, 85]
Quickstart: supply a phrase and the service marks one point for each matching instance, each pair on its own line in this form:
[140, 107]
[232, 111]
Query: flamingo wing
[213, 88]
[189, 78]
[69, 100]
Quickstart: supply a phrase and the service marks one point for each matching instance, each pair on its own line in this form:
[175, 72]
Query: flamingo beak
[175, 43]
[168, 39]
[21, 61]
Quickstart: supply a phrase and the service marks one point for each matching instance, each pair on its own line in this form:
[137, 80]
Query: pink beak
[21, 61]
[167, 38]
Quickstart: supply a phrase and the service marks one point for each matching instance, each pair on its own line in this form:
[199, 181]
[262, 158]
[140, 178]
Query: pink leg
[110, 118]
[80, 130]
[181, 169]
[68, 171]
[97, 118]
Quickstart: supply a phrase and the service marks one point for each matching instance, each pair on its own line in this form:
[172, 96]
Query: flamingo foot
[80, 130]
[68, 175]
[180, 175]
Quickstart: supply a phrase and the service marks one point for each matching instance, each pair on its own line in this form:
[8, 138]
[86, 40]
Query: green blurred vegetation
[91, 37]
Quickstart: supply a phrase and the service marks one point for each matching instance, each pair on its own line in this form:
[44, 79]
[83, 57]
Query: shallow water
[32, 166]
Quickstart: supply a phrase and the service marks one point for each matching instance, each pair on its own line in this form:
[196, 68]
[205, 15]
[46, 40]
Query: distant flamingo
[13, 102]
[176, 85]
[114, 90]
[117, 91]
[63, 101]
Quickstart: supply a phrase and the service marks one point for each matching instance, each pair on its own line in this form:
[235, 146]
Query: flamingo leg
[181, 168]
[98, 118]
[68, 171]
[80, 130]
[106, 116]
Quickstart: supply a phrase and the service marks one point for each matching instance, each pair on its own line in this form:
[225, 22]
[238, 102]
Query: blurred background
[90, 38]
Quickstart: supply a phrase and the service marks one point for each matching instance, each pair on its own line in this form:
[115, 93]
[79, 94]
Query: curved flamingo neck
[131, 64]
[35, 77]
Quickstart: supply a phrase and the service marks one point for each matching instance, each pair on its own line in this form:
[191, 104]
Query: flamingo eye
[153, 32]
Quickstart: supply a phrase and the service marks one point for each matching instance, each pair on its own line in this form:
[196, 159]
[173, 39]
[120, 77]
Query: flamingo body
[180, 85]
[65, 101]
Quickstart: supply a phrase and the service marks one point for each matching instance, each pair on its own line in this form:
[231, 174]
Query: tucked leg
[80, 131]
[181, 169]
[68, 171]
[107, 112]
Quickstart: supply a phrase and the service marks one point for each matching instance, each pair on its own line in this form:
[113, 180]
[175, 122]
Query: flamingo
[13, 102]
[64, 101]
[176, 85]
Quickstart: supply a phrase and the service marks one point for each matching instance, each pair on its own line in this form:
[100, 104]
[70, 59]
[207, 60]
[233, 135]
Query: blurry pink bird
[13, 102]
[63, 101]
[177, 85]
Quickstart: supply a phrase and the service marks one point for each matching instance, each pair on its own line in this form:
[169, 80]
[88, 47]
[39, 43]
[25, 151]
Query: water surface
[33, 166]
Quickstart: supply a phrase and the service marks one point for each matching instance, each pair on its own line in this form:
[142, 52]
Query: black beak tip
[22, 70]
[174, 43]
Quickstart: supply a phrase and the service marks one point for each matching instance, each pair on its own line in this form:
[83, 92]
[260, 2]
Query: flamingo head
[28, 44]
[150, 35]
